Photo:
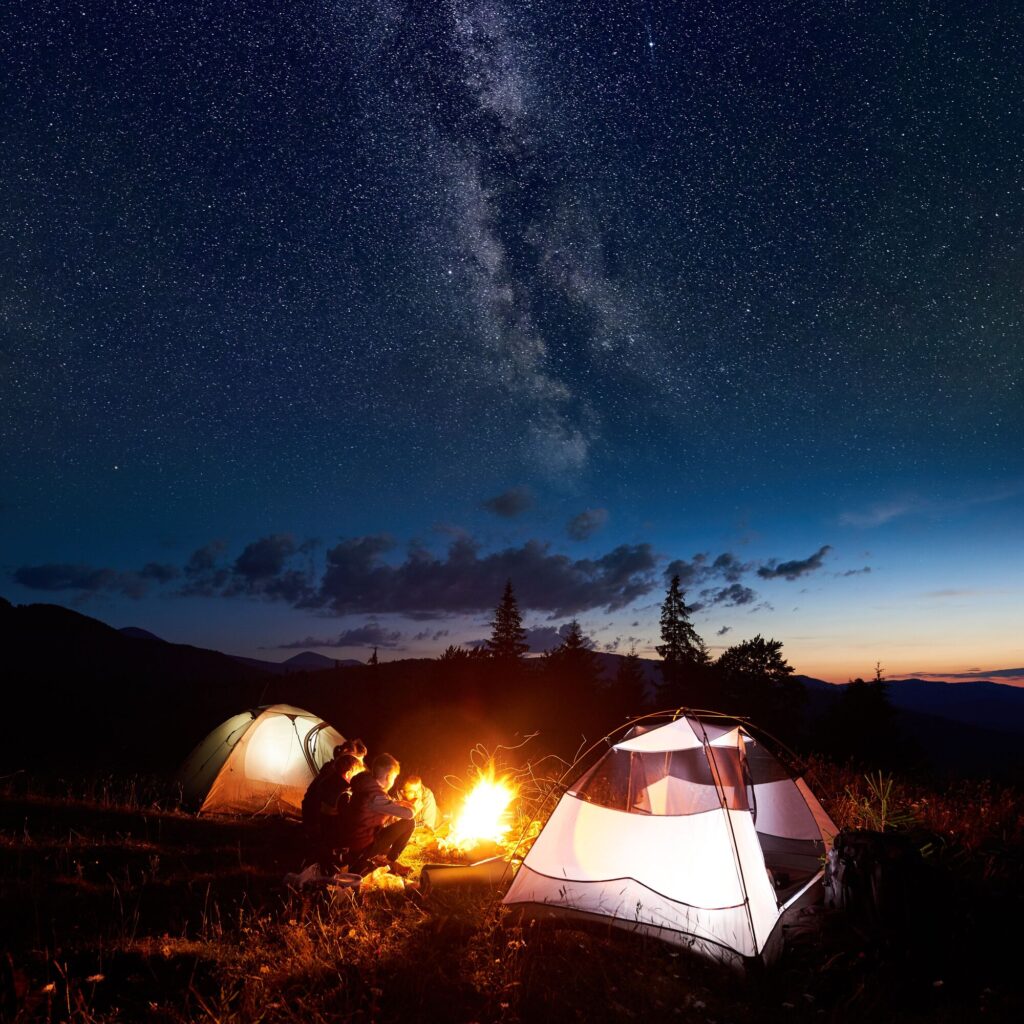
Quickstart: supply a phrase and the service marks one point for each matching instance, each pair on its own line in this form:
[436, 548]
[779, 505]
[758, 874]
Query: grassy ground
[114, 909]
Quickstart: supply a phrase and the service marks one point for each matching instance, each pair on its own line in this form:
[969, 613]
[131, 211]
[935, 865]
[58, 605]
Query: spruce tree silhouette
[573, 667]
[508, 638]
[683, 652]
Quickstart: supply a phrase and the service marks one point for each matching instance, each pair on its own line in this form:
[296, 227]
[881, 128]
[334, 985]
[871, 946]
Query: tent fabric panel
[687, 859]
[826, 825]
[732, 738]
[763, 765]
[781, 810]
[289, 709]
[713, 729]
[275, 751]
[254, 799]
[631, 903]
[677, 735]
[206, 760]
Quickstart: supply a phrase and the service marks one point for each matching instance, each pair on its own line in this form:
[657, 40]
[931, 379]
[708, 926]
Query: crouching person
[364, 831]
[324, 806]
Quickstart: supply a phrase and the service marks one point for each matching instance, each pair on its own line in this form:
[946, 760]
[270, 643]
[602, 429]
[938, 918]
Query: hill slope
[101, 697]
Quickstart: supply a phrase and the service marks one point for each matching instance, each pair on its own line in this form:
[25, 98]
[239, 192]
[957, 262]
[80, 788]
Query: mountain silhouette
[99, 697]
[139, 634]
[306, 661]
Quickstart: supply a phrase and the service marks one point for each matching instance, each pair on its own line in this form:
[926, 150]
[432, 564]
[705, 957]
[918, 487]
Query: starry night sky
[319, 320]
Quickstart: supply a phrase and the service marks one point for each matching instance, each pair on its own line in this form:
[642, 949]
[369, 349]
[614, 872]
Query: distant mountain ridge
[136, 633]
[305, 661]
[983, 703]
[127, 696]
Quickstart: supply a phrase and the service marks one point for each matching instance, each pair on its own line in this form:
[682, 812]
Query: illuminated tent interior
[691, 831]
[258, 762]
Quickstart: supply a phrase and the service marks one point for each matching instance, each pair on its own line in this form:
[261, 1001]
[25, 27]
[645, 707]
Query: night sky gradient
[320, 320]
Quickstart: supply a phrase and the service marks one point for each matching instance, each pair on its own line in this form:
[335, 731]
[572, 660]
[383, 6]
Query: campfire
[485, 817]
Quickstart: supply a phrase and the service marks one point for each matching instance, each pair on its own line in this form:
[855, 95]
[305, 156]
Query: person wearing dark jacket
[324, 805]
[363, 830]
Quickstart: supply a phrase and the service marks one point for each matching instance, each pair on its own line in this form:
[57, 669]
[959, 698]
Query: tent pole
[720, 789]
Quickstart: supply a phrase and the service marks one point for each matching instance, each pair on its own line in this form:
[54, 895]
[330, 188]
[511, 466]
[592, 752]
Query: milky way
[338, 269]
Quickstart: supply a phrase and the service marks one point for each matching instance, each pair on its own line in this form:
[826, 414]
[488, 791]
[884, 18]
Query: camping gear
[493, 873]
[690, 830]
[876, 879]
[258, 762]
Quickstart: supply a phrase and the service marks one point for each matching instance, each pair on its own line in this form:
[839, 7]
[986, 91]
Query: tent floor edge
[704, 950]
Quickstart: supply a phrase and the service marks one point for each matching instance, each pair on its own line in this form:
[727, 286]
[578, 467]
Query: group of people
[357, 817]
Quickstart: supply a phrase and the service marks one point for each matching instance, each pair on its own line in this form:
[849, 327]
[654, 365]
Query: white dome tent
[689, 830]
[258, 762]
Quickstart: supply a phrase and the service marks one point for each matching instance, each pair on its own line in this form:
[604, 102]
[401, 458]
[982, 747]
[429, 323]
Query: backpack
[875, 879]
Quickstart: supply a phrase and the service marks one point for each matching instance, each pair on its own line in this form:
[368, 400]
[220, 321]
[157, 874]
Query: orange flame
[486, 813]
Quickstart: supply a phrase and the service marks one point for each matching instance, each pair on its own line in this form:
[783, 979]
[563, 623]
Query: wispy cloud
[1009, 676]
[918, 505]
[371, 634]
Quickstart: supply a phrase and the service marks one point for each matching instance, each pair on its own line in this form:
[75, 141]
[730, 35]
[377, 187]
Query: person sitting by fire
[324, 804]
[363, 829]
[421, 799]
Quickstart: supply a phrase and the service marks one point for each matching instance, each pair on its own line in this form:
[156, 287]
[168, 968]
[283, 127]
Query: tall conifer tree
[508, 638]
[684, 657]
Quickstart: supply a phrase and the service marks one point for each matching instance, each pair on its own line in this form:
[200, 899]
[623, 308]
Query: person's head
[385, 770]
[411, 788]
[357, 748]
[348, 765]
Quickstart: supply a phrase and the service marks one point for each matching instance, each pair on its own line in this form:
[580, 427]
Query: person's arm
[381, 803]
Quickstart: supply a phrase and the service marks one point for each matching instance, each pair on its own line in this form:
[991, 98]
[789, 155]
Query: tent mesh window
[672, 782]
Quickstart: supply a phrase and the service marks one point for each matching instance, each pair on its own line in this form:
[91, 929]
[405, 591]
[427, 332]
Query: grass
[119, 907]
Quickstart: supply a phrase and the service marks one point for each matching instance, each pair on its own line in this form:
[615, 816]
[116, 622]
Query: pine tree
[682, 643]
[373, 657]
[572, 667]
[576, 651]
[508, 638]
[684, 656]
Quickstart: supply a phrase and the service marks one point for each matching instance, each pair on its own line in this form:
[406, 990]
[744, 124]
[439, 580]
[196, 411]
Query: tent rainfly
[258, 762]
[691, 831]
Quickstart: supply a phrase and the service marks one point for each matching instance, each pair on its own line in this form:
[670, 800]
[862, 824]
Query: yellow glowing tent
[258, 762]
